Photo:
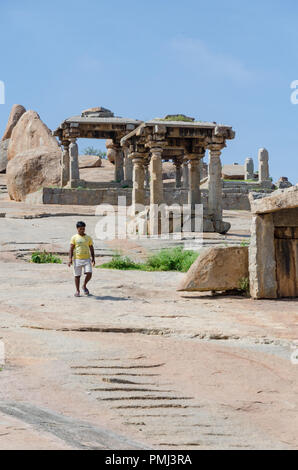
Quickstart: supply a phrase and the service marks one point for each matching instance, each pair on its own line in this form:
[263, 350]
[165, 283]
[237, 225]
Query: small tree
[94, 151]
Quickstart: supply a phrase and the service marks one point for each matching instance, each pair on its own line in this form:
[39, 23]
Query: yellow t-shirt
[81, 246]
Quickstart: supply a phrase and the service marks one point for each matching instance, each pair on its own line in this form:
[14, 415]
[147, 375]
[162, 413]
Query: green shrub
[121, 262]
[44, 257]
[96, 152]
[244, 285]
[171, 259]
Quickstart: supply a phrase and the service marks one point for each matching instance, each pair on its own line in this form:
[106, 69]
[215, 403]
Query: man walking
[81, 249]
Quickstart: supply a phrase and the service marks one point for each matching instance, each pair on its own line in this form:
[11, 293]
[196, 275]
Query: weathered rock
[217, 269]
[233, 172]
[281, 199]
[30, 133]
[89, 161]
[29, 171]
[283, 183]
[34, 157]
[111, 152]
[98, 112]
[16, 112]
[3, 155]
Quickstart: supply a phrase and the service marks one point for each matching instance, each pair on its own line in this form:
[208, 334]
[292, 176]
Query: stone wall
[109, 195]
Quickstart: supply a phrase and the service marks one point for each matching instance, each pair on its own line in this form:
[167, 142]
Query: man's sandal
[77, 294]
[86, 292]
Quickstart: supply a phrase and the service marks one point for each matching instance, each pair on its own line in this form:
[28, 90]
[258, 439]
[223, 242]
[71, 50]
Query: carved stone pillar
[263, 165]
[119, 166]
[156, 183]
[194, 193]
[215, 183]
[127, 167]
[147, 176]
[185, 173]
[65, 164]
[74, 177]
[178, 174]
[138, 192]
[249, 169]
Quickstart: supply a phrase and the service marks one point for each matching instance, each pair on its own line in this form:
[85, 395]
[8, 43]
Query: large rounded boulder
[34, 157]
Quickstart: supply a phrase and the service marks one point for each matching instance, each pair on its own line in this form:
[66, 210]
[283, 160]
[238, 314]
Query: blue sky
[230, 62]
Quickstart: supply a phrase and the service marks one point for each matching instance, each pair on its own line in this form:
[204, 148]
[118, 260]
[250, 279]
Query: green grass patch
[244, 285]
[170, 259]
[42, 257]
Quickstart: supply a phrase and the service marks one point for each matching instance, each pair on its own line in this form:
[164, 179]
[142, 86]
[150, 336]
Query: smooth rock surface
[3, 154]
[89, 161]
[16, 112]
[31, 170]
[217, 269]
[31, 133]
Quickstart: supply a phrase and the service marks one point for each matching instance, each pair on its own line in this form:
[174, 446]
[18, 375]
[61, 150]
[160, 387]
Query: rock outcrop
[32, 170]
[3, 155]
[283, 183]
[217, 269]
[16, 112]
[89, 161]
[30, 133]
[34, 157]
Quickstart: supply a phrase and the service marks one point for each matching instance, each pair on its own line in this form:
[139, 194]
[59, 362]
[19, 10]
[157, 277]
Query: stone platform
[234, 198]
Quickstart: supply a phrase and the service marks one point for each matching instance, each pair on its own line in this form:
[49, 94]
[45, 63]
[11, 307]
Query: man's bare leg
[87, 279]
[77, 282]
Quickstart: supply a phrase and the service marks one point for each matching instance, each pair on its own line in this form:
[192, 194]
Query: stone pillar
[249, 169]
[178, 174]
[74, 177]
[194, 193]
[263, 165]
[127, 167]
[215, 183]
[138, 192]
[262, 264]
[147, 176]
[185, 173]
[156, 182]
[65, 164]
[119, 171]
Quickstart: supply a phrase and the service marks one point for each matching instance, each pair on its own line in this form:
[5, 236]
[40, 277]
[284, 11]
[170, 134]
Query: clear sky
[230, 62]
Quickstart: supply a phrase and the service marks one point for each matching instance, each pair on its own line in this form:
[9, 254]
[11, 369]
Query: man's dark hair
[81, 224]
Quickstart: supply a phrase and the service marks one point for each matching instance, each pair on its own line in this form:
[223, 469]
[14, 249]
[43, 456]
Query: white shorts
[79, 264]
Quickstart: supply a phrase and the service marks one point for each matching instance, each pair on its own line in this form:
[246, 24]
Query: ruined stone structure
[263, 157]
[273, 253]
[94, 123]
[249, 169]
[185, 143]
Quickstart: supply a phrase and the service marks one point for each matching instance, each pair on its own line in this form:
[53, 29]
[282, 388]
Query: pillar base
[150, 223]
[75, 184]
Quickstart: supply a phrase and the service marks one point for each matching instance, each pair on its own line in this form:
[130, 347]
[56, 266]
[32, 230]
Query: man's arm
[71, 254]
[92, 254]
